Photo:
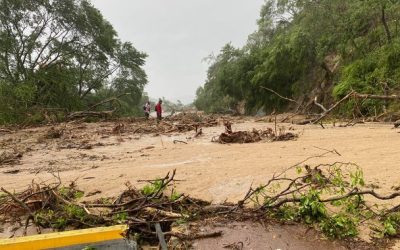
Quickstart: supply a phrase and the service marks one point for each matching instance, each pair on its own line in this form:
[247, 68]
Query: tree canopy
[308, 48]
[63, 54]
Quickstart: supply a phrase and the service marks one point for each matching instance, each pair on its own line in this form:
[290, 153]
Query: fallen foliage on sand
[328, 196]
[255, 135]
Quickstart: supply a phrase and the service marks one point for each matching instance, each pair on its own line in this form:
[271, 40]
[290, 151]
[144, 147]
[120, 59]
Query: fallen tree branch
[319, 105]
[115, 98]
[22, 204]
[377, 97]
[354, 192]
[98, 114]
[323, 115]
[280, 96]
[194, 236]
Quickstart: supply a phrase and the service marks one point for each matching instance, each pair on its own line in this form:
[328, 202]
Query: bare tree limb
[282, 97]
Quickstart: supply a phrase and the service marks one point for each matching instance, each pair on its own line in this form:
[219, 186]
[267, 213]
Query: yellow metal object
[63, 239]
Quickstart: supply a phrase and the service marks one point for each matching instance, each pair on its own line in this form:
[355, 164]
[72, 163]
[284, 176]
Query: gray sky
[178, 34]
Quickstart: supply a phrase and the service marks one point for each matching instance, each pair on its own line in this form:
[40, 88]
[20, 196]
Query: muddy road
[102, 161]
[102, 157]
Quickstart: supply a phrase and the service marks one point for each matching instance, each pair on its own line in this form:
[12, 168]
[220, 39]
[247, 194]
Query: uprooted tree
[62, 55]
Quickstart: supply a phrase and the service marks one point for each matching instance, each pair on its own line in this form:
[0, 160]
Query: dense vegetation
[305, 49]
[61, 56]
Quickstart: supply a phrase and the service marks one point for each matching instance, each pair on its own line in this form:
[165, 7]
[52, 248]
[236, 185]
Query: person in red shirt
[158, 109]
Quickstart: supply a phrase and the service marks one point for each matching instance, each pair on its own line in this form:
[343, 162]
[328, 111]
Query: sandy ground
[208, 170]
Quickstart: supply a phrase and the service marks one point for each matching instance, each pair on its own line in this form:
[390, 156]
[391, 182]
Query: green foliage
[89, 248]
[74, 211]
[175, 196]
[62, 54]
[120, 218]
[339, 226]
[311, 209]
[71, 193]
[357, 178]
[299, 44]
[391, 225]
[320, 198]
[61, 218]
[152, 188]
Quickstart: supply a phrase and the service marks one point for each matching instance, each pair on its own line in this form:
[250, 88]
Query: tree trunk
[387, 30]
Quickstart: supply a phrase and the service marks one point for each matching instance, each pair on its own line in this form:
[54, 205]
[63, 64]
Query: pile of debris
[253, 136]
[154, 211]
[57, 207]
[179, 123]
[8, 157]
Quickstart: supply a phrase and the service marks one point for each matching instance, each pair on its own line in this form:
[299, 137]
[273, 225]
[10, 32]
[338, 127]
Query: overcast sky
[178, 34]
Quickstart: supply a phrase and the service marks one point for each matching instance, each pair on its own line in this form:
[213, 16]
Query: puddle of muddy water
[250, 235]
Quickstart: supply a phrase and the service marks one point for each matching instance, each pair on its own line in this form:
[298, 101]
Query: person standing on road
[158, 109]
[147, 108]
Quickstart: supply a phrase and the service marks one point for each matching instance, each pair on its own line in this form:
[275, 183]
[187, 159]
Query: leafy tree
[62, 53]
[308, 48]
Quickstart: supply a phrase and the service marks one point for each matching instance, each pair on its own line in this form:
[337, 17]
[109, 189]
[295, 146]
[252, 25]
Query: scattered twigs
[253, 136]
[21, 203]
[328, 152]
[31, 215]
[176, 124]
[152, 210]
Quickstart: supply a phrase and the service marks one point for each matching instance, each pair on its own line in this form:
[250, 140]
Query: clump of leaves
[152, 188]
[175, 195]
[339, 226]
[391, 225]
[89, 248]
[70, 192]
[309, 193]
[62, 216]
[311, 208]
[120, 218]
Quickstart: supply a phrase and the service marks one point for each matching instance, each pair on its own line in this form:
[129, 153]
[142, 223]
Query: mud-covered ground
[102, 159]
